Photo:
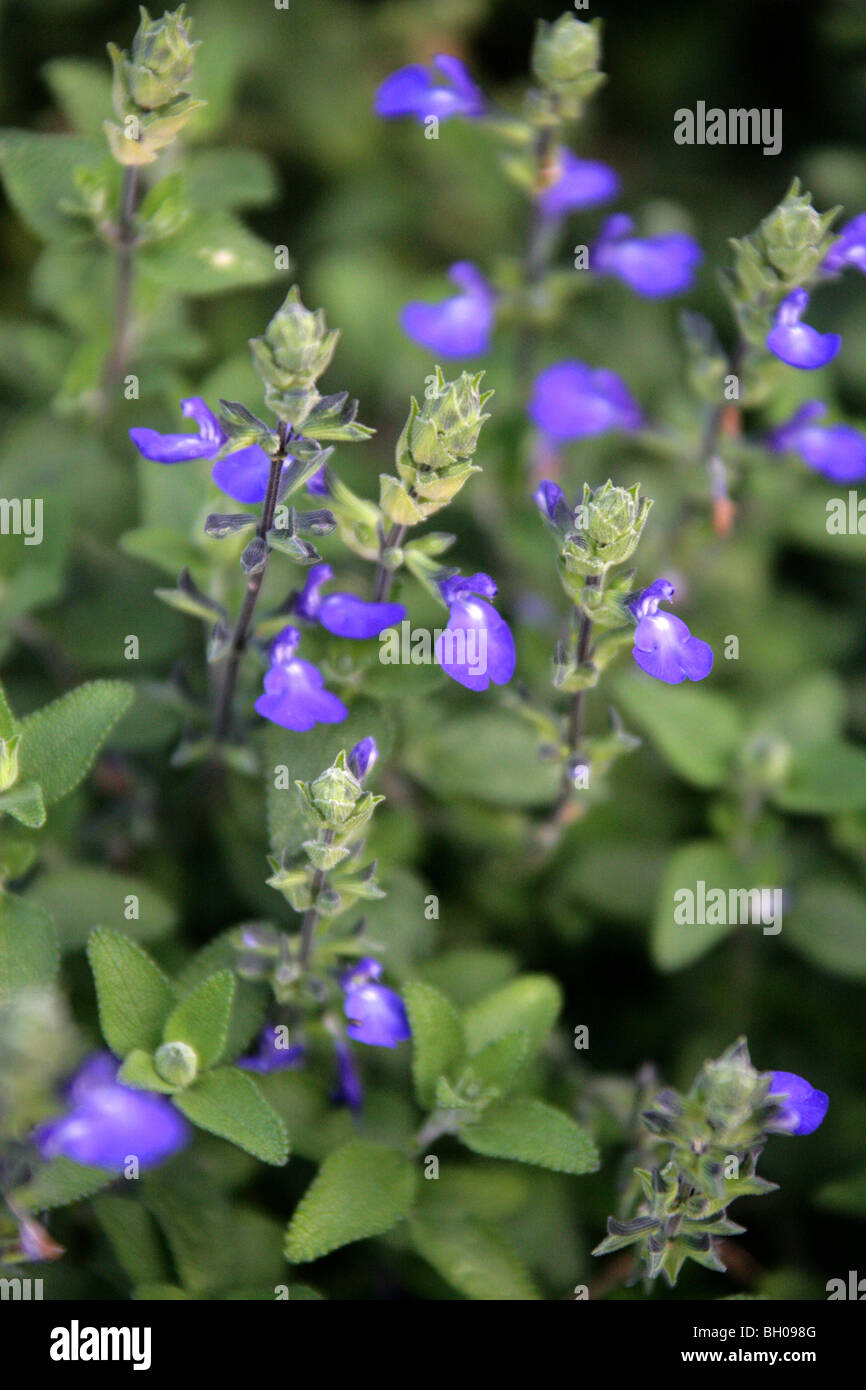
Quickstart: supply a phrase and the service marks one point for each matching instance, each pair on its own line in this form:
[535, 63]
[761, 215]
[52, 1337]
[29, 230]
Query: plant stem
[539, 242]
[311, 916]
[117, 357]
[240, 636]
[384, 575]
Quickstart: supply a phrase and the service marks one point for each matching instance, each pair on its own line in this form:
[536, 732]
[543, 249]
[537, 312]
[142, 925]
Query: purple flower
[663, 645]
[837, 451]
[580, 183]
[460, 326]
[797, 343]
[108, 1123]
[349, 1090]
[550, 500]
[570, 400]
[376, 1014]
[654, 266]
[850, 249]
[294, 689]
[477, 646]
[363, 757]
[243, 474]
[443, 90]
[317, 485]
[271, 1054]
[805, 1107]
[344, 614]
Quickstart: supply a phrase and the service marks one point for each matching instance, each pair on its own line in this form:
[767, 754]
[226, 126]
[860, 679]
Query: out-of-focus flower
[243, 474]
[376, 1014]
[445, 89]
[363, 757]
[477, 646]
[344, 614]
[655, 266]
[272, 1054]
[570, 400]
[798, 343]
[663, 645]
[837, 451]
[580, 183]
[460, 326]
[349, 1090]
[295, 696]
[850, 249]
[107, 1123]
[804, 1108]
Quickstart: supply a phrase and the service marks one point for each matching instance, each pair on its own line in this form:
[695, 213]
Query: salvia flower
[363, 757]
[477, 646]
[445, 89]
[654, 267]
[570, 400]
[580, 183]
[243, 474]
[850, 249]
[804, 1107]
[107, 1123]
[344, 614]
[295, 696]
[349, 1089]
[317, 485]
[663, 645]
[798, 343]
[460, 326]
[376, 1014]
[272, 1054]
[837, 451]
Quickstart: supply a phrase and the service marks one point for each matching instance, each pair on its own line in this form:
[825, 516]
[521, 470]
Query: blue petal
[347, 616]
[654, 267]
[484, 652]
[571, 400]
[244, 474]
[665, 649]
[582, 183]
[377, 1016]
[805, 1107]
[802, 346]
[294, 697]
[458, 327]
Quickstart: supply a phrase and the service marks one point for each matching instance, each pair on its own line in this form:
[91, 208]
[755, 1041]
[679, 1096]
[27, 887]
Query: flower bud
[296, 347]
[159, 69]
[176, 1063]
[565, 59]
[9, 761]
[435, 449]
[335, 792]
[610, 522]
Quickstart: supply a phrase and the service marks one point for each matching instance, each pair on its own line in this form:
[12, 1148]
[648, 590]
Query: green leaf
[824, 778]
[233, 178]
[500, 1063]
[28, 946]
[134, 1239]
[83, 896]
[530, 1003]
[827, 924]
[211, 252]
[7, 719]
[250, 1001]
[60, 742]
[696, 731]
[227, 1102]
[532, 1132]
[38, 172]
[201, 1019]
[138, 1071]
[362, 1189]
[473, 1259]
[82, 90]
[25, 804]
[674, 945]
[59, 1183]
[134, 996]
[437, 1038]
[462, 759]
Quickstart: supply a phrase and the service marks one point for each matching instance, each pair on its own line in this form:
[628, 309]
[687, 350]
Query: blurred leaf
[827, 925]
[361, 1190]
[484, 757]
[674, 945]
[134, 996]
[83, 896]
[134, 1239]
[437, 1038]
[472, 1258]
[229, 177]
[696, 731]
[28, 946]
[61, 1182]
[530, 1131]
[82, 90]
[38, 173]
[823, 778]
[530, 1003]
[212, 252]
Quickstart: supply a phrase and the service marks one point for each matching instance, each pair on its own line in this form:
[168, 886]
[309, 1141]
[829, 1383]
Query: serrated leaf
[134, 996]
[227, 1102]
[201, 1019]
[60, 741]
[500, 1063]
[438, 1043]
[473, 1259]
[530, 1003]
[28, 946]
[250, 1000]
[25, 804]
[530, 1131]
[362, 1189]
[139, 1072]
[61, 1182]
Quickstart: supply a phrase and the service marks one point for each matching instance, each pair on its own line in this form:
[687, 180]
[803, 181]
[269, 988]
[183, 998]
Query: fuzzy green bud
[434, 452]
[160, 66]
[565, 59]
[609, 523]
[295, 349]
[335, 793]
[176, 1063]
[785, 252]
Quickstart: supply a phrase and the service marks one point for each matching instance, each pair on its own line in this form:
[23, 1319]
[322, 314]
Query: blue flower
[550, 500]
[580, 183]
[317, 485]
[443, 90]
[294, 689]
[804, 1107]
[654, 266]
[460, 326]
[376, 1014]
[663, 645]
[349, 1090]
[797, 343]
[363, 757]
[570, 400]
[344, 614]
[477, 646]
[243, 474]
[850, 249]
[837, 451]
[271, 1055]
[108, 1123]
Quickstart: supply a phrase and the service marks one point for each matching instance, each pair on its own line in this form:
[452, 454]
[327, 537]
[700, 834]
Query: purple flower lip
[343, 614]
[571, 401]
[270, 1054]
[460, 326]
[798, 343]
[580, 183]
[803, 1108]
[850, 249]
[654, 267]
[477, 646]
[663, 645]
[294, 694]
[349, 1090]
[836, 451]
[243, 474]
[377, 1016]
[443, 90]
